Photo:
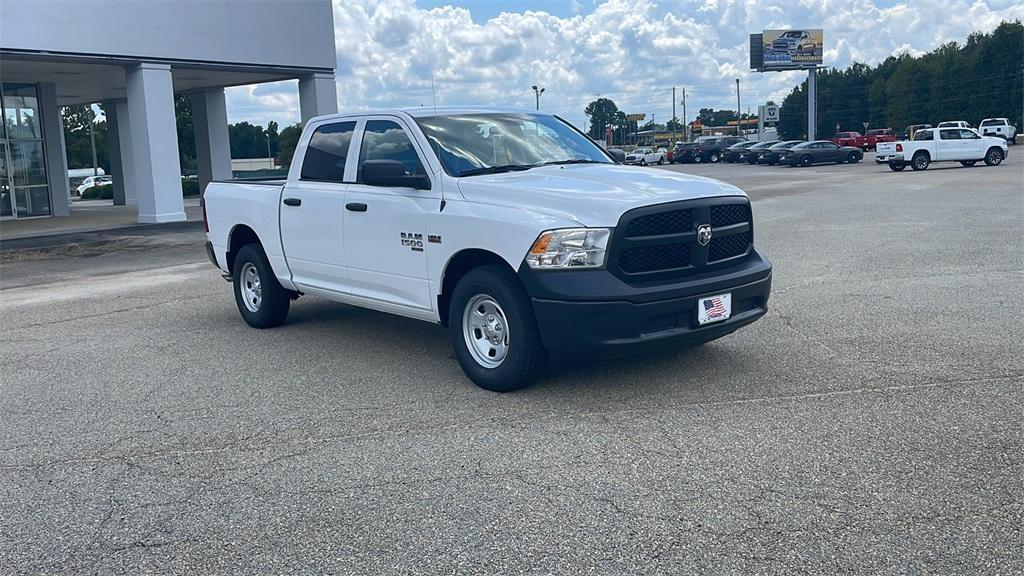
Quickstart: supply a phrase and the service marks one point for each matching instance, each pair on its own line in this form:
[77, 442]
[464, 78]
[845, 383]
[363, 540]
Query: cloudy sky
[632, 51]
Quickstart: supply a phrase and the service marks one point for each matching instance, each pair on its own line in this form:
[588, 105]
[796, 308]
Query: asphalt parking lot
[870, 423]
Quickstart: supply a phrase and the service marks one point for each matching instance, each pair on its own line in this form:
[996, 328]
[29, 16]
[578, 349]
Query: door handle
[355, 207]
[293, 201]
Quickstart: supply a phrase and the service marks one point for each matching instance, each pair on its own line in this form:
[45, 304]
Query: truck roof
[427, 111]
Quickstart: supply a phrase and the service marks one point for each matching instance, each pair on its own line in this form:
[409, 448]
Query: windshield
[470, 144]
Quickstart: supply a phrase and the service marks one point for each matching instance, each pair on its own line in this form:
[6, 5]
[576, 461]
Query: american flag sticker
[714, 308]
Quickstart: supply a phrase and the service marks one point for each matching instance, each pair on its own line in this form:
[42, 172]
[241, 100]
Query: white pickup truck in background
[511, 228]
[999, 127]
[942, 145]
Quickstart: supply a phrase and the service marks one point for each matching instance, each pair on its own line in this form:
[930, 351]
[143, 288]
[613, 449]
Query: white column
[318, 95]
[115, 117]
[812, 129]
[156, 175]
[213, 148]
[54, 150]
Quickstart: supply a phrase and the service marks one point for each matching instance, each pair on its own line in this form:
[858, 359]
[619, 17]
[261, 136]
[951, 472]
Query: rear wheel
[260, 298]
[969, 163]
[493, 330]
[897, 166]
[920, 161]
[994, 157]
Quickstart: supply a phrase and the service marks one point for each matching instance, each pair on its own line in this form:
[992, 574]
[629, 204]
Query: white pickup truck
[999, 127]
[510, 228]
[941, 145]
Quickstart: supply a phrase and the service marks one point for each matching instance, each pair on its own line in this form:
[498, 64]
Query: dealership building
[133, 57]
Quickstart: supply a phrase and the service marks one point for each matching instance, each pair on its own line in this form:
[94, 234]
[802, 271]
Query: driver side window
[968, 135]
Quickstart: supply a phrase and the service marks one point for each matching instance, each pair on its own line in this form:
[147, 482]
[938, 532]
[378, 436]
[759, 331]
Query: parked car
[818, 152]
[877, 135]
[683, 153]
[999, 127]
[733, 153]
[943, 145]
[854, 139]
[91, 181]
[750, 155]
[509, 228]
[770, 155]
[711, 150]
[645, 156]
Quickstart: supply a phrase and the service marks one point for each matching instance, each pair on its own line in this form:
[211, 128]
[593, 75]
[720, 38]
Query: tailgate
[885, 149]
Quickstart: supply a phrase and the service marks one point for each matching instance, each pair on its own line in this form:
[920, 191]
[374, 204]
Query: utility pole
[686, 125]
[674, 116]
[92, 140]
[268, 148]
[811, 104]
[537, 92]
[739, 114]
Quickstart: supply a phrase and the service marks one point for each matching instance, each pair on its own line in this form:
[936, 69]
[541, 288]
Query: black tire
[969, 163]
[714, 158]
[274, 301]
[897, 166]
[526, 355]
[643, 162]
[806, 160]
[920, 161]
[661, 161]
[853, 158]
[994, 157]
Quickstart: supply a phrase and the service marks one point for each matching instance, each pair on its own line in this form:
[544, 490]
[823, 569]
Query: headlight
[569, 248]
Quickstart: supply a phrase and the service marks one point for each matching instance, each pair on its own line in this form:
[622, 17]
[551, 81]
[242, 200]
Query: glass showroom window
[23, 185]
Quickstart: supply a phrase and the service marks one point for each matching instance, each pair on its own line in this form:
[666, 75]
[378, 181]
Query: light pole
[738, 114]
[537, 92]
[268, 147]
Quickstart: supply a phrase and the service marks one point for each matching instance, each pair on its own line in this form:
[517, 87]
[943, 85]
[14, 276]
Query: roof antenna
[433, 142]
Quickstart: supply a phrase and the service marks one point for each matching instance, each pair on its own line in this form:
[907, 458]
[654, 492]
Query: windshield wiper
[495, 169]
[575, 161]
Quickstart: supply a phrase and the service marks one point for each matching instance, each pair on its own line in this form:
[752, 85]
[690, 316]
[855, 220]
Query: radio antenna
[434, 143]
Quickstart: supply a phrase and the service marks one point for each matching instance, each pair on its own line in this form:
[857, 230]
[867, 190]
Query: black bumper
[579, 312]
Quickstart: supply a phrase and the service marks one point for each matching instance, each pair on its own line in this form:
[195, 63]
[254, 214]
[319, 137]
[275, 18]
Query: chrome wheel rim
[252, 287]
[485, 330]
[994, 157]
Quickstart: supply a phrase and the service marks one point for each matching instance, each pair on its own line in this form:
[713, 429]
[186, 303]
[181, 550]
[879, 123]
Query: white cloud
[632, 51]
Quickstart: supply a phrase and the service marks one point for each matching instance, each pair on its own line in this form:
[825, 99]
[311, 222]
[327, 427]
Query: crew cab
[854, 139]
[999, 127]
[510, 228]
[942, 145]
[877, 135]
[645, 156]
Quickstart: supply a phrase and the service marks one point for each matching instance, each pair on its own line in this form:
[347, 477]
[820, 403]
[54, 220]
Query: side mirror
[391, 173]
[617, 154]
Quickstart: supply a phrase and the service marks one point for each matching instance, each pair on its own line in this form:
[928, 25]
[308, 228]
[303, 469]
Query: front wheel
[493, 330]
[661, 161]
[714, 158]
[994, 157]
[853, 158]
[260, 298]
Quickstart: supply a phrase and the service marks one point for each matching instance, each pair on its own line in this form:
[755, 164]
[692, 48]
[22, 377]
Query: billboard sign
[635, 117]
[792, 49]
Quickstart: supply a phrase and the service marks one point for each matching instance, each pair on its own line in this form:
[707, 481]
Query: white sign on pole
[771, 113]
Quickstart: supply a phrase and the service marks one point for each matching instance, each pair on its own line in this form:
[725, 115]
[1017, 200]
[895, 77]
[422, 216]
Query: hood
[590, 194]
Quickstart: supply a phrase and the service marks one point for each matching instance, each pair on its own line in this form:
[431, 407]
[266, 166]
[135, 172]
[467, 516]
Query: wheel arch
[457, 266]
[240, 235]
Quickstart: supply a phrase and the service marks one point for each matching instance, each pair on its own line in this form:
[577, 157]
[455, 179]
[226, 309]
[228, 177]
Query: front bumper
[580, 312]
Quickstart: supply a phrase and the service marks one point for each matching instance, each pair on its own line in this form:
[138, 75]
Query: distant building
[134, 57]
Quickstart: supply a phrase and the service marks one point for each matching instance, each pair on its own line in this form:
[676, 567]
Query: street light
[537, 92]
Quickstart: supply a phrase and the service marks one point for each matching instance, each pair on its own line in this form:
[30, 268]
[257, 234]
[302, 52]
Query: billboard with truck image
[792, 49]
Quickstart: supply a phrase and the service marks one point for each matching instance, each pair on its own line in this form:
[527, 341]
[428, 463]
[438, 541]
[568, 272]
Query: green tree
[186, 133]
[602, 113]
[77, 141]
[288, 140]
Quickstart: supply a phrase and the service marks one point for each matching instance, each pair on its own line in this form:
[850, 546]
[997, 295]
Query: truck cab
[510, 228]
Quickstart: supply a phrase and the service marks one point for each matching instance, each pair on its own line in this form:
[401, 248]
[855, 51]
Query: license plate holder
[711, 309]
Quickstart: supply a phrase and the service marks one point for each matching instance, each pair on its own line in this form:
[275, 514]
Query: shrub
[189, 187]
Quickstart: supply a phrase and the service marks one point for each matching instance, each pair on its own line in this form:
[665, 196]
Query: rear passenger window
[386, 140]
[327, 152]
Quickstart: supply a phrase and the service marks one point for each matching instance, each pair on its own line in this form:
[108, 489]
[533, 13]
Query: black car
[770, 155]
[711, 150]
[734, 153]
[818, 152]
[750, 154]
[683, 153]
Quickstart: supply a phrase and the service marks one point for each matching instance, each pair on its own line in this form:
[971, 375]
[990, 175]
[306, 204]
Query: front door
[974, 148]
[313, 211]
[385, 226]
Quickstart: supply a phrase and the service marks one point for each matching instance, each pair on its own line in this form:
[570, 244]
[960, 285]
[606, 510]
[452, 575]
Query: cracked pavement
[869, 424]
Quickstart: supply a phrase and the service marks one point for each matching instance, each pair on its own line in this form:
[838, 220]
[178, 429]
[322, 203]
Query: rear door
[385, 226]
[313, 210]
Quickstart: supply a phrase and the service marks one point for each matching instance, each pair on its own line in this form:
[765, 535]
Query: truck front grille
[659, 242]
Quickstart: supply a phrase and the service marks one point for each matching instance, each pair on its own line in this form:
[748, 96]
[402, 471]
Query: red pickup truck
[850, 139]
[877, 135]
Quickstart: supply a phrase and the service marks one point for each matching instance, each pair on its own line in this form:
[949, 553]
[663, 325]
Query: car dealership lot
[870, 423]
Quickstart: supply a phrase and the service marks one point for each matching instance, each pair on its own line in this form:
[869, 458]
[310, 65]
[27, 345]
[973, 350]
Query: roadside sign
[866, 126]
[769, 113]
[635, 117]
